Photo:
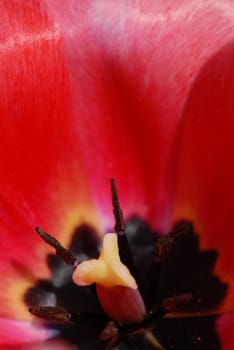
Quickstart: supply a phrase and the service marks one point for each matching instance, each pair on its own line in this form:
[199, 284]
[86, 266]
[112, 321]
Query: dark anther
[50, 313]
[65, 254]
[119, 221]
[60, 314]
[124, 249]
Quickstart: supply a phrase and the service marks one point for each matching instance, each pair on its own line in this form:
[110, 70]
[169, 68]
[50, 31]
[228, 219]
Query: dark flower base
[166, 266]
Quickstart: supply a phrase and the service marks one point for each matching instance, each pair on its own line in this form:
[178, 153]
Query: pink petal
[47, 345]
[18, 332]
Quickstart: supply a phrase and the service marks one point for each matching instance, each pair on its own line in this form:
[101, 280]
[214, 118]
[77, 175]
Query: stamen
[119, 221]
[60, 314]
[124, 249]
[153, 341]
[50, 313]
[65, 254]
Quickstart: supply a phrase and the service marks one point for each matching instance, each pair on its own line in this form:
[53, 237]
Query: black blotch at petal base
[60, 288]
[185, 269]
[167, 266]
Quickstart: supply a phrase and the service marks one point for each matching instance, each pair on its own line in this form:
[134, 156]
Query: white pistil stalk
[116, 287]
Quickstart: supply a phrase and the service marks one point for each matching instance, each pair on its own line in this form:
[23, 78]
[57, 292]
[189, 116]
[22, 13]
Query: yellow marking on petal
[75, 218]
[108, 270]
[71, 204]
[15, 307]
[15, 288]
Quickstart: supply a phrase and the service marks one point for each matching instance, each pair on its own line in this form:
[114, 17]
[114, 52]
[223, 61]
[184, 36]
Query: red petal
[42, 172]
[205, 192]
[132, 67]
[90, 94]
[225, 329]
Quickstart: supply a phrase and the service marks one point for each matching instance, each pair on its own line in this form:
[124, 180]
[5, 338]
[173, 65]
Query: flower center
[175, 280]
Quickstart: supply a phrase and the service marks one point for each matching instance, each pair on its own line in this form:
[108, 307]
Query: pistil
[116, 288]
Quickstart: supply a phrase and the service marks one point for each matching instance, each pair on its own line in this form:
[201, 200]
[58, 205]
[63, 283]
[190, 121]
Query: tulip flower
[139, 91]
